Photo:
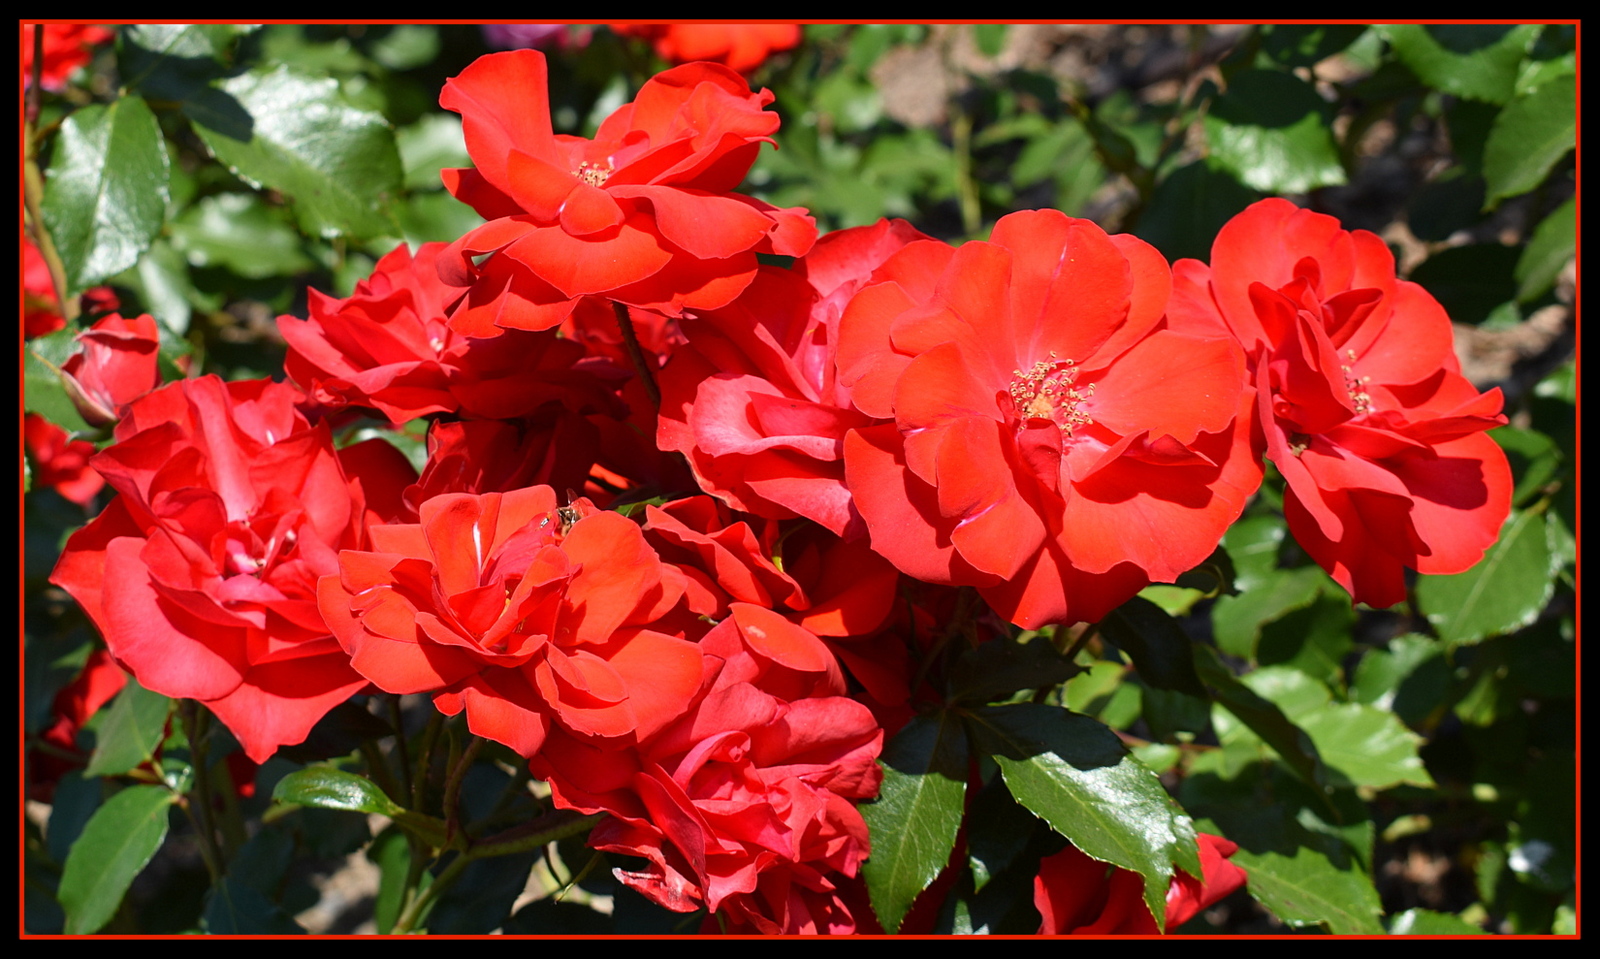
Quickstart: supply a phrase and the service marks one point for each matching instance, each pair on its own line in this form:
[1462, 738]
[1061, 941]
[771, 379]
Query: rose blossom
[1047, 435]
[116, 364]
[745, 803]
[738, 46]
[1078, 896]
[643, 214]
[754, 403]
[1360, 398]
[201, 574]
[505, 606]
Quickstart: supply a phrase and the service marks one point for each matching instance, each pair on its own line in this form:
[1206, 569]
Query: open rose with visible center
[1360, 398]
[644, 214]
[1046, 434]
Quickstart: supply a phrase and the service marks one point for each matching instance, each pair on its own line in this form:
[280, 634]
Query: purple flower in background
[543, 36]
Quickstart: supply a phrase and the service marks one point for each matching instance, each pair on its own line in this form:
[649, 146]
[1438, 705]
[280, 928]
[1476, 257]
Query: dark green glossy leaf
[998, 832]
[236, 908]
[1269, 130]
[1304, 45]
[1303, 877]
[1262, 717]
[1408, 677]
[240, 233]
[1189, 206]
[114, 847]
[482, 896]
[1444, 206]
[1314, 639]
[1475, 61]
[1470, 281]
[185, 40]
[324, 787]
[1426, 922]
[74, 803]
[1237, 621]
[1156, 643]
[995, 670]
[1075, 774]
[1529, 137]
[914, 821]
[1535, 460]
[338, 164]
[106, 194]
[433, 143]
[1503, 592]
[130, 732]
[1553, 244]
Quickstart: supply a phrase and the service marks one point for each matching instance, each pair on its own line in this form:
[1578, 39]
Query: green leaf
[1446, 205]
[991, 37]
[338, 164]
[1474, 61]
[1364, 745]
[1553, 244]
[324, 787]
[106, 194]
[428, 146]
[130, 732]
[995, 670]
[1503, 592]
[1189, 206]
[1369, 746]
[1075, 774]
[1529, 137]
[1156, 643]
[391, 853]
[1535, 460]
[235, 908]
[1426, 922]
[1408, 677]
[1237, 621]
[114, 847]
[1470, 281]
[1269, 131]
[1303, 877]
[42, 389]
[1306, 45]
[240, 233]
[1314, 638]
[1262, 717]
[185, 40]
[914, 821]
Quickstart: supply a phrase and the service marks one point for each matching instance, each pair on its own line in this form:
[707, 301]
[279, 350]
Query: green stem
[967, 188]
[417, 910]
[630, 344]
[195, 726]
[419, 779]
[452, 788]
[398, 722]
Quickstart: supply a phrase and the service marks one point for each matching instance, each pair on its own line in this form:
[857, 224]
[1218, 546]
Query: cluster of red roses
[1054, 417]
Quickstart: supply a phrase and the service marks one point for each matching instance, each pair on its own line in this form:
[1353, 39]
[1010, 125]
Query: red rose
[747, 797]
[1078, 896]
[1047, 436]
[66, 48]
[490, 605]
[738, 46]
[643, 214]
[96, 684]
[753, 402]
[1360, 396]
[60, 462]
[115, 365]
[201, 574]
[389, 346]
